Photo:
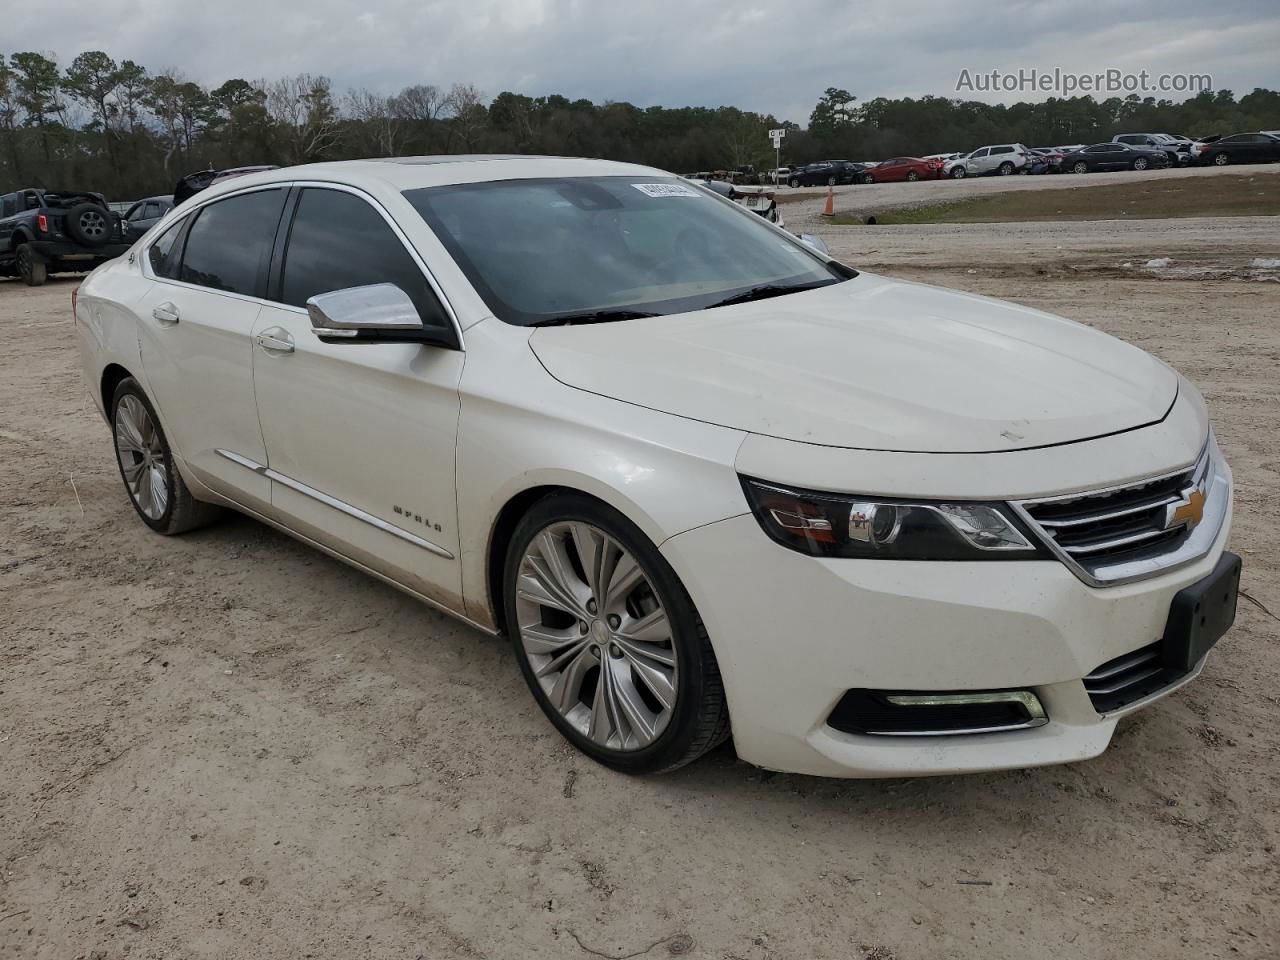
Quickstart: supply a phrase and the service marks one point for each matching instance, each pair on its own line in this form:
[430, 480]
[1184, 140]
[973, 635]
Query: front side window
[163, 254]
[977, 154]
[365, 250]
[556, 250]
[229, 244]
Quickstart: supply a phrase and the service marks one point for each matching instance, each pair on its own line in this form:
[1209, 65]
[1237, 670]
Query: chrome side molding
[340, 505]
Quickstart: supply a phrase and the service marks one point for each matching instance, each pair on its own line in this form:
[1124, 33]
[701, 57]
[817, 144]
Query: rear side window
[163, 254]
[337, 241]
[229, 244]
[995, 150]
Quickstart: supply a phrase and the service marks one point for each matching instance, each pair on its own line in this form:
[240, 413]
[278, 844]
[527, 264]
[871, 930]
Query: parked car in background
[1155, 141]
[1114, 156]
[942, 158]
[720, 187]
[143, 215]
[901, 169]
[759, 200]
[193, 183]
[780, 175]
[704, 479]
[1044, 160]
[56, 231]
[120, 207]
[1000, 159]
[1237, 148]
[826, 173]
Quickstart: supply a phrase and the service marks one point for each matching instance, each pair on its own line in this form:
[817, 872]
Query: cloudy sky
[776, 57]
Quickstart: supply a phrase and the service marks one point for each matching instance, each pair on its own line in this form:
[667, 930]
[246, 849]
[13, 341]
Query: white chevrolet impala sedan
[708, 480]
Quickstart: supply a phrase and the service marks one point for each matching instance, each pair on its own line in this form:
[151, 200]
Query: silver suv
[1002, 159]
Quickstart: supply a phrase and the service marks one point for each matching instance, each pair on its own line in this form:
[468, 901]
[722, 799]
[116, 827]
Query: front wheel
[151, 478]
[1140, 163]
[794, 183]
[608, 639]
[958, 173]
[33, 270]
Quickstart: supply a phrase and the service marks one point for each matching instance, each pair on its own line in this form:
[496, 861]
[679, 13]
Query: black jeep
[52, 231]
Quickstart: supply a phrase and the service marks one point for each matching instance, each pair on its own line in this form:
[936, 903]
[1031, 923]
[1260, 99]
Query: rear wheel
[1140, 163]
[831, 181]
[1005, 169]
[155, 487]
[32, 268]
[608, 639]
[1221, 159]
[1079, 167]
[958, 173]
[912, 176]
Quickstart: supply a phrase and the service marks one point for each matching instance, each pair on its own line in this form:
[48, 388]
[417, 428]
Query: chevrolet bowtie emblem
[1185, 513]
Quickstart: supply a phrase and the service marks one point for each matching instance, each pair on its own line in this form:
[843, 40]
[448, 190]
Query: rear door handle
[166, 313]
[276, 339]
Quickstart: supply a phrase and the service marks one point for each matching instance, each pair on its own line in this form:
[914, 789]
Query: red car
[903, 168]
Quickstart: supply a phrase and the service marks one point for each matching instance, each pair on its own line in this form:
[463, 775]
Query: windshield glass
[605, 248]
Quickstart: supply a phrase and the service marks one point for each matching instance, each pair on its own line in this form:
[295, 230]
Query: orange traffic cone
[830, 209]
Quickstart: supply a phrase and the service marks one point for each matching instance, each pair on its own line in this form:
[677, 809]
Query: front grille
[1130, 678]
[1125, 531]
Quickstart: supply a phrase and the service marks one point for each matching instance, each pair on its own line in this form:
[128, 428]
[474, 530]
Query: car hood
[873, 364]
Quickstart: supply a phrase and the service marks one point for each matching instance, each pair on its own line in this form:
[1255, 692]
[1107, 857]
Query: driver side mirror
[379, 312]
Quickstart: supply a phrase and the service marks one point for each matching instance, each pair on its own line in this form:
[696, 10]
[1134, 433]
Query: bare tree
[302, 106]
[378, 126]
[420, 106]
[464, 105]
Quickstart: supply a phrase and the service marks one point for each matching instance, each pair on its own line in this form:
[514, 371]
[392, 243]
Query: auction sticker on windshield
[665, 190]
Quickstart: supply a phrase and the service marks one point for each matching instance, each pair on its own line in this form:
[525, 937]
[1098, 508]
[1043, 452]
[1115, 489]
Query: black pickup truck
[52, 231]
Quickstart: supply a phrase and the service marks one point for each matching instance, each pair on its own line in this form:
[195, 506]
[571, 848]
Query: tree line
[126, 131]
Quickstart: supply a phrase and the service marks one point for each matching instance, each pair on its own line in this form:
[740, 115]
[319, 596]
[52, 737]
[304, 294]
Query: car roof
[409, 173]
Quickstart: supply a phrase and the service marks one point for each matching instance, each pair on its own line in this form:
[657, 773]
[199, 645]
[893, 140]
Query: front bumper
[792, 633]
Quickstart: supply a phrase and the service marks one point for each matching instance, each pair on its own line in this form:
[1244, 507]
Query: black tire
[32, 268]
[912, 176]
[958, 172]
[1141, 163]
[1079, 167]
[795, 184]
[1005, 168]
[183, 511]
[1220, 160]
[89, 223]
[831, 181]
[700, 717]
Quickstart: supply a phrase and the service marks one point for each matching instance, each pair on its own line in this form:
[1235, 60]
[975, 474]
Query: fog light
[935, 714]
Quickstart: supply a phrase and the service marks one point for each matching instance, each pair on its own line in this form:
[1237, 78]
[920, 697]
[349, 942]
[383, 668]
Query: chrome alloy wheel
[142, 459]
[596, 636]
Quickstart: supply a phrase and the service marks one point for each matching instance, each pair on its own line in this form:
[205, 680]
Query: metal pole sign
[776, 136]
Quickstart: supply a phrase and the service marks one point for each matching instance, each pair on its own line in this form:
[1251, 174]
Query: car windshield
[588, 249]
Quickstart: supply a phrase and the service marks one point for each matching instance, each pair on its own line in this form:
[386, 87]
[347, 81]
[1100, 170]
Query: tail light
[42, 223]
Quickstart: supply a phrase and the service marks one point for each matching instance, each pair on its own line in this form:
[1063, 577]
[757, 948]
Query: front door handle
[276, 339]
[166, 313]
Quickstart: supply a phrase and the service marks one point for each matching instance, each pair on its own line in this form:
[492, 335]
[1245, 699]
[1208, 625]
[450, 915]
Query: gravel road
[226, 745]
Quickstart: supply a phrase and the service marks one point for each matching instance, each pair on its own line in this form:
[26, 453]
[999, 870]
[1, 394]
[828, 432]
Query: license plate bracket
[1200, 614]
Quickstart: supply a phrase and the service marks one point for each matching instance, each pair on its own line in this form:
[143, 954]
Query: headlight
[831, 525]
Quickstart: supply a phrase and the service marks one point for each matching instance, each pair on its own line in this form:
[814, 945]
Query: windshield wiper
[764, 291]
[593, 316]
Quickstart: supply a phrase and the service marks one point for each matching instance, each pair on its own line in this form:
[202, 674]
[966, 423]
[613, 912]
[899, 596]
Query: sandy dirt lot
[226, 745]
